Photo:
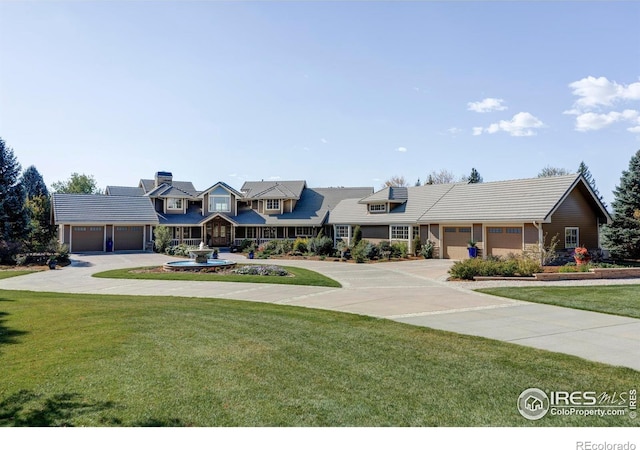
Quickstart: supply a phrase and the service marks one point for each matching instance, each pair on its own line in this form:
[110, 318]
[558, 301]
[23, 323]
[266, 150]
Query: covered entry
[128, 237]
[504, 240]
[218, 232]
[87, 239]
[454, 242]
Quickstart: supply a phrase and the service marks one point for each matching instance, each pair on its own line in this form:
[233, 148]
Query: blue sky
[337, 93]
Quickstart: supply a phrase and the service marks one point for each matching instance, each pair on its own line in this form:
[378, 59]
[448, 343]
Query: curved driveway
[413, 292]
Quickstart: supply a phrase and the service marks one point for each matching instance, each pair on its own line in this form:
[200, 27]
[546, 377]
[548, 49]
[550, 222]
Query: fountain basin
[196, 265]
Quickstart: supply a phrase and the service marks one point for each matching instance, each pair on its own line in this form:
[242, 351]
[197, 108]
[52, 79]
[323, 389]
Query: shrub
[300, 245]
[270, 246]
[359, 252]
[494, 267]
[527, 267]
[427, 250]
[321, 246]
[384, 248]
[261, 270]
[417, 246]
[399, 250]
[357, 236]
[162, 238]
[245, 244]
[466, 269]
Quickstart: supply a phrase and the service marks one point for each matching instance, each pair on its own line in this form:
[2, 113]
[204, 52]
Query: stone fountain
[201, 261]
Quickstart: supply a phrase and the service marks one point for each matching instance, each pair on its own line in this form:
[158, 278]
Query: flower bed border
[592, 274]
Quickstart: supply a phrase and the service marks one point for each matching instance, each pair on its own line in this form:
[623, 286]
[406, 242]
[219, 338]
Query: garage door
[504, 240]
[455, 242]
[128, 238]
[87, 239]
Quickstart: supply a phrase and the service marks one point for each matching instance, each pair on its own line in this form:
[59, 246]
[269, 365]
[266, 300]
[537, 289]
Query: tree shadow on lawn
[8, 335]
[28, 409]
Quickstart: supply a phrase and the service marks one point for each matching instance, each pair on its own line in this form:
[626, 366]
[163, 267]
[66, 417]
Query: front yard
[99, 360]
[621, 300]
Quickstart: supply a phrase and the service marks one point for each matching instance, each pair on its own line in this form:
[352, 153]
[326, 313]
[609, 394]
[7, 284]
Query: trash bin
[109, 245]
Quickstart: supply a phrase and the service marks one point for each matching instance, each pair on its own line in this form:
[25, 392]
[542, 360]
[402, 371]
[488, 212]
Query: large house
[501, 217]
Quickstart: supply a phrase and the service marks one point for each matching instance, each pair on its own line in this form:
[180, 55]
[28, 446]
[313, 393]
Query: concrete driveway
[413, 292]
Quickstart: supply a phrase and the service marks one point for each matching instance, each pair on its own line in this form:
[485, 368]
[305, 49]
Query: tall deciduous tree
[396, 181]
[474, 177]
[443, 176]
[13, 216]
[549, 171]
[77, 184]
[583, 170]
[622, 236]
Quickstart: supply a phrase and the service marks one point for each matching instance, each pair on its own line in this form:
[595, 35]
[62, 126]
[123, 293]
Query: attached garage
[504, 240]
[454, 242]
[87, 239]
[128, 238]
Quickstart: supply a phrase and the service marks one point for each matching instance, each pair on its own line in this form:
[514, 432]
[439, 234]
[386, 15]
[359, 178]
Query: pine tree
[474, 177]
[13, 216]
[583, 170]
[33, 183]
[622, 236]
[38, 205]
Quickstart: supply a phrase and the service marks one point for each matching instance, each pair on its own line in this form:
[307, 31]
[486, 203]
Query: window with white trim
[494, 230]
[342, 231]
[377, 207]
[399, 232]
[304, 231]
[416, 231]
[514, 230]
[272, 204]
[571, 237]
[269, 233]
[174, 203]
[220, 203]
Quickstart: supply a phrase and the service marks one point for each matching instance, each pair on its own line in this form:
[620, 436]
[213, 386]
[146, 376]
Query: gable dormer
[273, 197]
[385, 200]
[220, 198]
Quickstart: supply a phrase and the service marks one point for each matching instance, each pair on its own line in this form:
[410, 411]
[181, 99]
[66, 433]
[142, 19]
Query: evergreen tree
[583, 170]
[622, 236]
[357, 236]
[13, 216]
[33, 183]
[475, 176]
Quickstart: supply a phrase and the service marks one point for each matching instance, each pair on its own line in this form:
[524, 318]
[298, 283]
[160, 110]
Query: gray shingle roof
[524, 200]
[102, 209]
[388, 194]
[169, 190]
[225, 186]
[127, 191]
[185, 186]
[273, 189]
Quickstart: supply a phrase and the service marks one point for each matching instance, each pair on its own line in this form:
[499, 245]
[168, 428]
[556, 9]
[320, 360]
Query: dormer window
[377, 207]
[273, 205]
[220, 203]
[174, 203]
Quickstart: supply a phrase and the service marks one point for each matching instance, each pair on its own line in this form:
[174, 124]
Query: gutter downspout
[540, 241]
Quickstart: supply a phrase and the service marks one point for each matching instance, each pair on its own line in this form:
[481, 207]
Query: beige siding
[67, 234]
[530, 234]
[575, 211]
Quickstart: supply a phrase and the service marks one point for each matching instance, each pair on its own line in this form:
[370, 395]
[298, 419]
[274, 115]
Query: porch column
[410, 245]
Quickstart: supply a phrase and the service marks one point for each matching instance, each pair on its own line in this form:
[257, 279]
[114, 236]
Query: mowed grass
[303, 277]
[99, 360]
[621, 300]
[13, 273]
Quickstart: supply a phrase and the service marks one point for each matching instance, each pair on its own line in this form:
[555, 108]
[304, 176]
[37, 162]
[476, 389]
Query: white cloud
[323, 140]
[487, 105]
[600, 91]
[401, 149]
[455, 130]
[593, 121]
[522, 124]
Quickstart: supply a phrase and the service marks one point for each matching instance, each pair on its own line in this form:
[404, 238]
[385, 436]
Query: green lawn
[300, 276]
[13, 273]
[99, 360]
[621, 300]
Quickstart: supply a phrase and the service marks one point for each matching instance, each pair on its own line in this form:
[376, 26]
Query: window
[250, 233]
[514, 230]
[95, 228]
[571, 237]
[122, 229]
[449, 230]
[494, 230]
[416, 231]
[220, 203]
[174, 203]
[342, 231]
[273, 204]
[79, 228]
[378, 207]
[464, 230]
[270, 233]
[304, 231]
[399, 232]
